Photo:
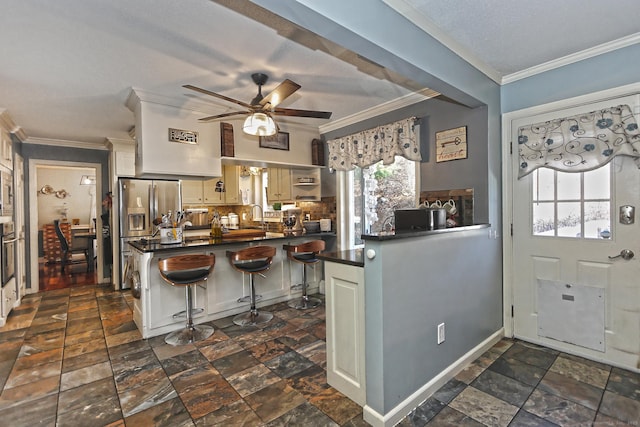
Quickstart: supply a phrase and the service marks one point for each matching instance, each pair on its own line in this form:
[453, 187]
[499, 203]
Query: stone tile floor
[73, 357]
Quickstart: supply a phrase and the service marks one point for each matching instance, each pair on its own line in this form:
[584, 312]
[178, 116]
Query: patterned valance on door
[579, 143]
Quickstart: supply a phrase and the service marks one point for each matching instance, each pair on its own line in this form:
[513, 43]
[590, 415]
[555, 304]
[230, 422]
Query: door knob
[625, 254]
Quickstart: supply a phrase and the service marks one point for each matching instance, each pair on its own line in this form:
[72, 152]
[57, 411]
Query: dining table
[90, 236]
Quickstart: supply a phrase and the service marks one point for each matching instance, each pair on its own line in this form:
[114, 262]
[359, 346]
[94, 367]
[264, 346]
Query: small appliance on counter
[198, 216]
[293, 222]
[325, 224]
[311, 226]
[233, 221]
[423, 219]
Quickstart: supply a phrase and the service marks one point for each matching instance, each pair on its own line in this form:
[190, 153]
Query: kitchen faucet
[262, 223]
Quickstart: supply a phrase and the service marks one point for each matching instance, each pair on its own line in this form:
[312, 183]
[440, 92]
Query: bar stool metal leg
[305, 301]
[191, 333]
[253, 316]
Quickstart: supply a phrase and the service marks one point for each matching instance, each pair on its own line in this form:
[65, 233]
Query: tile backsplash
[325, 208]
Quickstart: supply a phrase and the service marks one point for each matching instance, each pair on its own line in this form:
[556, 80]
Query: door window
[574, 205]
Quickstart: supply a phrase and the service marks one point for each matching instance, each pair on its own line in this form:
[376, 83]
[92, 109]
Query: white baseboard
[396, 414]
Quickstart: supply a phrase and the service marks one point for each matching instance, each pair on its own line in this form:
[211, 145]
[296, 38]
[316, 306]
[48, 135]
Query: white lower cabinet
[344, 287]
[9, 297]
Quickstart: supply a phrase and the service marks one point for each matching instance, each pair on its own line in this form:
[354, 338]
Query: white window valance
[579, 143]
[368, 147]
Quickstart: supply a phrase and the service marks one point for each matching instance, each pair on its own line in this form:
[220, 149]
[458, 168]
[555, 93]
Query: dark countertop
[353, 257]
[154, 245]
[197, 227]
[405, 235]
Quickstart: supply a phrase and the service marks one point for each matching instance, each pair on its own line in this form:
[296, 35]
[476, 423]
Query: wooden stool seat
[186, 271]
[252, 260]
[305, 253]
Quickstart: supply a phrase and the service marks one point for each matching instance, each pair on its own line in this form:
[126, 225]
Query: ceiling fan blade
[302, 113]
[276, 96]
[220, 116]
[217, 95]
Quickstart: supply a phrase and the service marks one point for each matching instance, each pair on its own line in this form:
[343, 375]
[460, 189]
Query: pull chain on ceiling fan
[259, 121]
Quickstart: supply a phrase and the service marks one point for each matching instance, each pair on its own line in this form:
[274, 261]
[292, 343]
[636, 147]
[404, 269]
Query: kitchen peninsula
[385, 305]
[225, 291]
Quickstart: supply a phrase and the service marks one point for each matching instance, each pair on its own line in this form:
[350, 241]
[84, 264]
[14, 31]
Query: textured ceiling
[510, 36]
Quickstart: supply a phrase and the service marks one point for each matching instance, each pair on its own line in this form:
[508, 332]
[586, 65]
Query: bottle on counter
[216, 227]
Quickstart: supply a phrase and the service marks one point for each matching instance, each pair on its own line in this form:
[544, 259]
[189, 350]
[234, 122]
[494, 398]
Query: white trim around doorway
[33, 219]
[507, 178]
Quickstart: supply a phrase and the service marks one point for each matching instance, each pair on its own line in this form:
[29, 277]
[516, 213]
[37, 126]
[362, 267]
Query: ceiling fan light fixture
[259, 124]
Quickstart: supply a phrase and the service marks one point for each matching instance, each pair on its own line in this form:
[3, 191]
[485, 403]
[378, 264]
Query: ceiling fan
[261, 108]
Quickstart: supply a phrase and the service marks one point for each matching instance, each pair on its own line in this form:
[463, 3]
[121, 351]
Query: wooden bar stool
[252, 260]
[304, 253]
[187, 271]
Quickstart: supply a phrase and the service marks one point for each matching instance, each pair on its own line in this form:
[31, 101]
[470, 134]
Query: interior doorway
[67, 192]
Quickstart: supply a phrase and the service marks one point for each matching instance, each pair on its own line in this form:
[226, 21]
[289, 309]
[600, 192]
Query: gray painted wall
[411, 286]
[613, 69]
[437, 115]
[63, 154]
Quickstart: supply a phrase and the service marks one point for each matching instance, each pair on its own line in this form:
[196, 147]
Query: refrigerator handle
[153, 203]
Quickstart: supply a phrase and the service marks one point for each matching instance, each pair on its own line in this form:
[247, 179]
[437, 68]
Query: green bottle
[216, 227]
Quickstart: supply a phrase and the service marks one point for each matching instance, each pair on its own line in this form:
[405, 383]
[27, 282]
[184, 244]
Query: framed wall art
[183, 136]
[279, 141]
[451, 144]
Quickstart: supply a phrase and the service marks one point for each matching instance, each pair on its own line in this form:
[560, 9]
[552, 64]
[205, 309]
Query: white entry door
[567, 290]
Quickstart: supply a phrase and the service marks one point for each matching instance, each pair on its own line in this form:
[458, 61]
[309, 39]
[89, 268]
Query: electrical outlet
[440, 333]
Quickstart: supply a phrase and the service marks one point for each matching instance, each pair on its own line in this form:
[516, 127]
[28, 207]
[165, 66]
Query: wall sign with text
[451, 144]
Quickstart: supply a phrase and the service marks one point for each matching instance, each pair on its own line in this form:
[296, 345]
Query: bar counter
[224, 293]
[353, 257]
[203, 242]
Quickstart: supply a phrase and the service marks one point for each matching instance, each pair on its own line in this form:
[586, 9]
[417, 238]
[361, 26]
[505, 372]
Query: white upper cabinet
[224, 190]
[192, 192]
[6, 149]
[279, 185]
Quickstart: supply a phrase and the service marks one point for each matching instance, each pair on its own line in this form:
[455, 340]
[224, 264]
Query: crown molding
[10, 126]
[137, 95]
[68, 144]
[117, 144]
[573, 58]
[429, 27]
[404, 101]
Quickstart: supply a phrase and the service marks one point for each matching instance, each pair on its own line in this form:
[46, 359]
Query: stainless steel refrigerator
[140, 202]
